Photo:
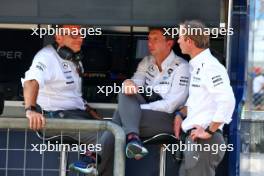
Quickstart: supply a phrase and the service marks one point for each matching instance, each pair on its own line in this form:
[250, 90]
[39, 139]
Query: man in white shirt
[210, 104]
[145, 115]
[258, 90]
[53, 82]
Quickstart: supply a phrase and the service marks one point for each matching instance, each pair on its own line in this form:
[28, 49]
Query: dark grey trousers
[84, 137]
[208, 160]
[132, 118]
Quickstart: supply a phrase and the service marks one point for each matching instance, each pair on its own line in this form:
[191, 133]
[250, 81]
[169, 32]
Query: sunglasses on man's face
[75, 36]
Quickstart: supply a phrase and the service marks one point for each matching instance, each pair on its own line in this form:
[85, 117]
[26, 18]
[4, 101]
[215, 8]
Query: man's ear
[190, 41]
[171, 43]
[58, 39]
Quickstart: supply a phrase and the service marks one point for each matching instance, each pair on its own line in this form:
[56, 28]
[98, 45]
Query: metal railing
[81, 125]
[258, 101]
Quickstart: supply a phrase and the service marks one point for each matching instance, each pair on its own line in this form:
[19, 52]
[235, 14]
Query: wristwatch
[209, 131]
[180, 114]
[89, 109]
[31, 108]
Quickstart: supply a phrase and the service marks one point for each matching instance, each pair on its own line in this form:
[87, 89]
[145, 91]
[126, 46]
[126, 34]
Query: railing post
[82, 125]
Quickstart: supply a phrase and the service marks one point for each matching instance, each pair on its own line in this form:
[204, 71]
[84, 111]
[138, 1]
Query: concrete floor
[251, 164]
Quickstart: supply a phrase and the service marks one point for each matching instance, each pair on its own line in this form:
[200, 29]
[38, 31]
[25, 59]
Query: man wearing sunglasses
[54, 83]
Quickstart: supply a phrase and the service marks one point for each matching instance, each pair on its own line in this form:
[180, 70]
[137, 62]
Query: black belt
[188, 132]
[51, 114]
[47, 112]
[154, 97]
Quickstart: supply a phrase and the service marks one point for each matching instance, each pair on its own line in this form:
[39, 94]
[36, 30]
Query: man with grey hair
[210, 104]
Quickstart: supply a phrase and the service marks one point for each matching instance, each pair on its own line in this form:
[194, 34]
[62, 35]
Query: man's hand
[95, 115]
[130, 87]
[36, 120]
[199, 133]
[177, 126]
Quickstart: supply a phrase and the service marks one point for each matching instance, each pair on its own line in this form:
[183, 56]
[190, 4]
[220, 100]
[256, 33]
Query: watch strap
[209, 131]
[31, 108]
[180, 114]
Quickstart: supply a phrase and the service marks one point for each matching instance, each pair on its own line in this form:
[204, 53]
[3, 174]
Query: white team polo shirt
[171, 83]
[258, 83]
[211, 97]
[59, 82]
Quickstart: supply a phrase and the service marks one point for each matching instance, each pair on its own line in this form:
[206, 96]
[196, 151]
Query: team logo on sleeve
[41, 66]
[184, 80]
[198, 71]
[151, 75]
[217, 80]
[170, 70]
[151, 68]
[65, 65]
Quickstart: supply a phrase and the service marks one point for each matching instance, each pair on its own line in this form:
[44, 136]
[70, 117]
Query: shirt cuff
[222, 120]
[145, 106]
[41, 83]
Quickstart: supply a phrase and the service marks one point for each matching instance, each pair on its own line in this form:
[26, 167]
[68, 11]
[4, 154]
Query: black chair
[161, 139]
[64, 139]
